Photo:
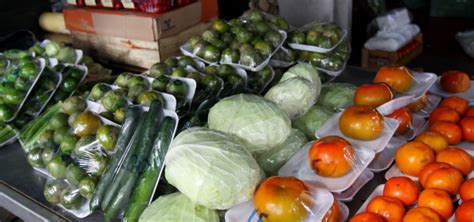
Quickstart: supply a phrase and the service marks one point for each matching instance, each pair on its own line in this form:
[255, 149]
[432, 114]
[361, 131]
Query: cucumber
[134, 162]
[132, 117]
[146, 184]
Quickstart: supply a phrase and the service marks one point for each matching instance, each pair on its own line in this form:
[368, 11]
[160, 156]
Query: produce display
[331, 62]
[321, 36]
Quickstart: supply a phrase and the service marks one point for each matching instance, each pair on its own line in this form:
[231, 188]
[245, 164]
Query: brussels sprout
[134, 92]
[263, 48]
[236, 80]
[111, 101]
[121, 81]
[87, 187]
[107, 115]
[192, 42]
[137, 80]
[107, 136]
[273, 37]
[230, 56]
[71, 199]
[249, 56]
[185, 61]
[53, 190]
[57, 167]
[255, 16]
[209, 36]
[58, 121]
[211, 70]
[68, 143]
[86, 124]
[6, 112]
[179, 72]
[219, 44]
[178, 88]
[146, 97]
[47, 155]
[99, 90]
[227, 38]
[235, 23]
[121, 91]
[211, 53]
[73, 104]
[87, 60]
[52, 48]
[159, 69]
[97, 164]
[13, 96]
[72, 119]
[194, 75]
[46, 139]
[172, 62]
[66, 55]
[37, 49]
[86, 146]
[21, 84]
[76, 73]
[34, 157]
[244, 36]
[74, 174]
[297, 37]
[29, 71]
[210, 81]
[281, 23]
[160, 83]
[220, 26]
[261, 27]
[119, 115]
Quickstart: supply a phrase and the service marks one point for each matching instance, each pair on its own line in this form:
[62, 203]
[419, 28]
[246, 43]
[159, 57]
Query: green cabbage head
[176, 207]
[212, 168]
[259, 122]
[303, 70]
[336, 95]
[312, 120]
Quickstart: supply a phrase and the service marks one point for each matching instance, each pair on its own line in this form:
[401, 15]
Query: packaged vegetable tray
[317, 37]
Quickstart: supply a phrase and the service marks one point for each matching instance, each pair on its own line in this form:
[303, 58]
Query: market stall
[248, 119]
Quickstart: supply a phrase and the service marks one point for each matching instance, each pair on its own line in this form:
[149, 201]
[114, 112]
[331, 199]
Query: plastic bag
[306, 201]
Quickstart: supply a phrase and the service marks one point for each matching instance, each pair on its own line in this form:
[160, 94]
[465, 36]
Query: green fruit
[68, 144]
[273, 37]
[255, 16]
[159, 69]
[171, 62]
[211, 70]
[46, 139]
[75, 73]
[13, 96]
[99, 90]
[297, 38]
[57, 167]
[87, 187]
[47, 155]
[178, 88]
[6, 112]
[145, 98]
[263, 48]
[107, 136]
[71, 199]
[312, 38]
[34, 157]
[209, 36]
[220, 26]
[121, 81]
[179, 72]
[53, 190]
[85, 147]
[160, 83]
[29, 71]
[74, 174]
[112, 100]
[119, 115]
[211, 54]
[73, 104]
[58, 121]
[86, 124]
[244, 36]
[262, 27]
[97, 164]
[192, 42]
[225, 70]
[210, 81]
[230, 56]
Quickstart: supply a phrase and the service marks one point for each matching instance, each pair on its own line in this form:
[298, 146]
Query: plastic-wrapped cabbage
[272, 160]
[259, 122]
[295, 96]
[312, 120]
[176, 207]
[306, 71]
[212, 168]
[336, 95]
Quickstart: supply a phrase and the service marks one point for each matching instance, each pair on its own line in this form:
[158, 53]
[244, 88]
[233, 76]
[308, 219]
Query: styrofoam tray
[59, 80]
[378, 191]
[468, 95]
[417, 126]
[192, 85]
[311, 48]
[384, 159]
[299, 167]
[245, 212]
[331, 127]
[349, 194]
[433, 101]
[394, 171]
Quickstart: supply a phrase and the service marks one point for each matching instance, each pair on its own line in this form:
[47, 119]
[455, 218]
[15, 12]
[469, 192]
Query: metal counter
[21, 187]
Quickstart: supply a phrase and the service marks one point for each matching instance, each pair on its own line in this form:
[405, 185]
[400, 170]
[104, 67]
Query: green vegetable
[73, 104]
[58, 121]
[72, 119]
[47, 155]
[129, 126]
[87, 123]
[6, 112]
[211, 53]
[146, 97]
[160, 83]
[97, 163]
[119, 115]
[172, 62]
[71, 199]
[112, 101]
[272, 160]
[121, 81]
[66, 55]
[312, 120]
[69, 84]
[178, 88]
[159, 69]
[230, 55]
[295, 96]
[185, 61]
[74, 174]
[107, 136]
[250, 117]
[31, 131]
[85, 147]
[220, 26]
[132, 166]
[7, 132]
[57, 167]
[53, 189]
[52, 48]
[34, 157]
[177, 207]
[68, 143]
[336, 96]
[147, 181]
[46, 139]
[197, 151]
[137, 80]
[87, 187]
[99, 90]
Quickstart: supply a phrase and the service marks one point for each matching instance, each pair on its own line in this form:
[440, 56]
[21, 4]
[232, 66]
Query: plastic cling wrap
[317, 37]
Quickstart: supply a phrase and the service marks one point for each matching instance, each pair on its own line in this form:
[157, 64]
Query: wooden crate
[132, 52]
[374, 59]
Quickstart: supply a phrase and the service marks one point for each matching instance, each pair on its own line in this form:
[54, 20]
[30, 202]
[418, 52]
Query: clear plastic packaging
[331, 127]
[433, 101]
[283, 58]
[73, 77]
[331, 63]
[317, 37]
[320, 202]
[259, 81]
[466, 40]
[190, 83]
[356, 159]
[349, 194]
[78, 54]
[8, 135]
[383, 160]
[437, 90]
[42, 92]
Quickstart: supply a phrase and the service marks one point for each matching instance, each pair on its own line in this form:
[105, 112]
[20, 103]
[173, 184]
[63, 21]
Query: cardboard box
[133, 52]
[374, 59]
[138, 25]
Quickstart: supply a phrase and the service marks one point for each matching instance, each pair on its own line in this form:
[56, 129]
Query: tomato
[389, 208]
[467, 190]
[465, 212]
[433, 139]
[333, 213]
[366, 217]
[454, 81]
[437, 200]
[397, 77]
[403, 189]
[403, 115]
[451, 131]
[282, 199]
[442, 176]
[469, 112]
[421, 214]
[467, 128]
[458, 158]
[331, 156]
[444, 114]
[372, 95]
[361, 123]
[419, 104]
[413, 156]
[457, 103]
